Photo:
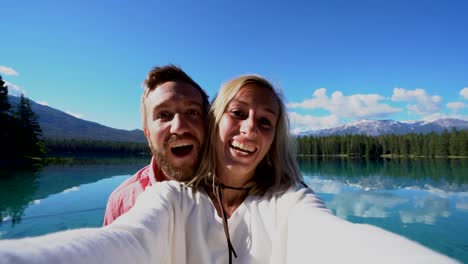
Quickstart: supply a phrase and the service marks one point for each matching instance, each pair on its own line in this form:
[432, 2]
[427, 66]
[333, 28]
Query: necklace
[234, 188]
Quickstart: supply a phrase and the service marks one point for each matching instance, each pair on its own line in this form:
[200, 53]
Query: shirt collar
[155, 174]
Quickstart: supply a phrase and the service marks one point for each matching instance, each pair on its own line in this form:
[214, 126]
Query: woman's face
[246, 131]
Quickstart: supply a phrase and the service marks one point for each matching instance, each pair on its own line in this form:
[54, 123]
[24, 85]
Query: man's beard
[172, 172]
[181, 173]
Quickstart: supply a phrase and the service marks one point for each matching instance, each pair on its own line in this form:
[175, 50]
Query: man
[173, 111]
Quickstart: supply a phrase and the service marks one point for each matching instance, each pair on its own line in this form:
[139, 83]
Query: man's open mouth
[181, 150]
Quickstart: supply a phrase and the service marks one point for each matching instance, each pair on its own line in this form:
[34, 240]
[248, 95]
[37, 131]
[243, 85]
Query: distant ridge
[383, 127]
[57, 124]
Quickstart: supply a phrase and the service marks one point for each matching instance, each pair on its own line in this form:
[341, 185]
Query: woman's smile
[246, 131]
[243, 147]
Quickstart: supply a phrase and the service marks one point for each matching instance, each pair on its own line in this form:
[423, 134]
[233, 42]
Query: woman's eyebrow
[269, 110]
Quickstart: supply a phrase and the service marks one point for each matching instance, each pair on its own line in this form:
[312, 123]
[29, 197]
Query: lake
[424, 200]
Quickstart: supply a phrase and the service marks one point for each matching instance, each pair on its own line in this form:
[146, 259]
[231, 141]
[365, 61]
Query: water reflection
[424, 200]
[17, 189]
[22, 188]
[444, 174]
[412, 190]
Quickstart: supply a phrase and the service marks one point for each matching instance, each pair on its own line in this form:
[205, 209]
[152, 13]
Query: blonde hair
[278, 170]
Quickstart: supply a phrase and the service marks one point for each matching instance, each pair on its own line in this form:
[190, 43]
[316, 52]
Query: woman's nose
[249, 126]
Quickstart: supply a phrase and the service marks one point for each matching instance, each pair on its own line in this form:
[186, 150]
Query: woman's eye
[265, 122]
[237, 113]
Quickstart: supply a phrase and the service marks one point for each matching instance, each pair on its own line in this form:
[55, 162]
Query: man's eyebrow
[169, 103]
[269, 110]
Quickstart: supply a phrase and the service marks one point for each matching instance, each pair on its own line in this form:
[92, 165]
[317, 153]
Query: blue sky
[335, 61]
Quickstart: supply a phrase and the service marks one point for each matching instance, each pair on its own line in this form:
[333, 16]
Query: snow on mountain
[381, 127]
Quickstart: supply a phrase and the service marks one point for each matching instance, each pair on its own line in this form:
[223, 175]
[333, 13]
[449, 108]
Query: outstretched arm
[323, 237]
[91, 245]
[139, 236]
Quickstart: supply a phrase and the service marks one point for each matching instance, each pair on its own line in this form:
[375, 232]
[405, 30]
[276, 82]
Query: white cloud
[43, 103]
[35, 202]
[424, 103]
[462, 205]
[365, 204]
[357, 106]
[8, 71]
[427, 211]
[74, 114]
[456, 106]
[72, 189]
[324, 186]
[435, 116]
[307, 122]
[14, 89]
[464, 93]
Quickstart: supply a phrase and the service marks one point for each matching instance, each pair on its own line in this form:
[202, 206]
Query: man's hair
[159, 75]
[278, 170]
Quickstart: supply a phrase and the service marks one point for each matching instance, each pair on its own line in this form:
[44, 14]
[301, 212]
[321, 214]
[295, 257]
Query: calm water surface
[424, 200]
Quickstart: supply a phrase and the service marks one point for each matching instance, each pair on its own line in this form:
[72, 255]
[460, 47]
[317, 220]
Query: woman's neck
[234, 190]
[232, 178]
[232, 199]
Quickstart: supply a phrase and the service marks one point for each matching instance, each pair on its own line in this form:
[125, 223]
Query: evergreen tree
[6, 121]
[4, 104]
[30, 134]
[455, 142]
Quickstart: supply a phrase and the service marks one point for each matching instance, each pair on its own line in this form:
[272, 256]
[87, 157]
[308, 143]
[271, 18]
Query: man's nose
[179, 125]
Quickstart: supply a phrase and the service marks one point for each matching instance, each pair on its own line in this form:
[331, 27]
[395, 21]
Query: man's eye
[164, 115]
[193, 112]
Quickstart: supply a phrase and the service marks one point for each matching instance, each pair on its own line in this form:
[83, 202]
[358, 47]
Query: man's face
[175, 128]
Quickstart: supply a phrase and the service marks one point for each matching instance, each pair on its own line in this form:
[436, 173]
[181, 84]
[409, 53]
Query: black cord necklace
[218, 194]
[234, 188]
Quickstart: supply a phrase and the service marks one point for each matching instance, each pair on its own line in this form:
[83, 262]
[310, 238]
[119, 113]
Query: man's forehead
[176, 92]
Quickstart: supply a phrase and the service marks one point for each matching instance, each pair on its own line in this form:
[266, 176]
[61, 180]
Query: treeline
[20, 132]
[77, 146]
[453, 143]
[21, 137]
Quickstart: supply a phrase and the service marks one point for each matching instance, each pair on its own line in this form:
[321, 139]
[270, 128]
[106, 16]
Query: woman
[246, 201]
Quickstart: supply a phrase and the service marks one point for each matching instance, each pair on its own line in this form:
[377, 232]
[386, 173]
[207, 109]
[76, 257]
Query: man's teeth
[243, 147]
[179, 145]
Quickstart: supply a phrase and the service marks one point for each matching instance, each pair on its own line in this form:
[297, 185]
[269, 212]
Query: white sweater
[171, 223]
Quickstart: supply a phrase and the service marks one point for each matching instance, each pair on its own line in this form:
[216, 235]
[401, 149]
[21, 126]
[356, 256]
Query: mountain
[381, 127]
[56, 124]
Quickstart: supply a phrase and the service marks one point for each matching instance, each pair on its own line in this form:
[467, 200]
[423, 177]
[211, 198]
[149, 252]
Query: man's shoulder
[138, 180]
[124, 196]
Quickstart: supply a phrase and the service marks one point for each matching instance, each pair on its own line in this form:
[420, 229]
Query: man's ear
[147, 135]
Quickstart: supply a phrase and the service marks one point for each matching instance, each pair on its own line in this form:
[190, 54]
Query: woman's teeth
[243, 147]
